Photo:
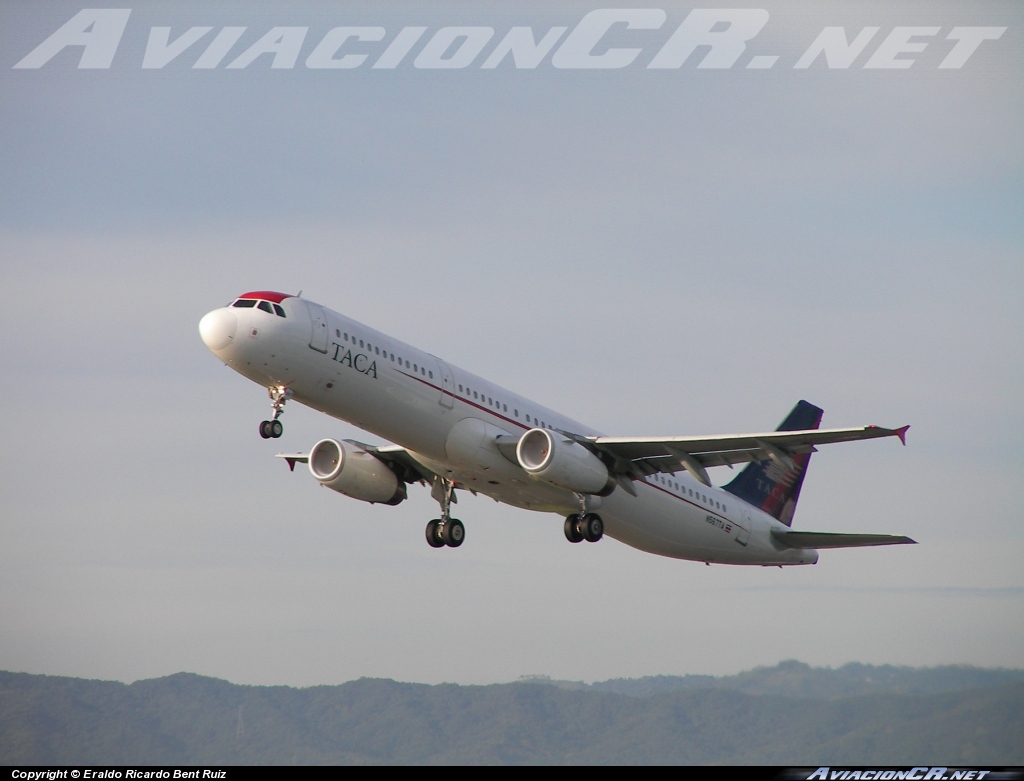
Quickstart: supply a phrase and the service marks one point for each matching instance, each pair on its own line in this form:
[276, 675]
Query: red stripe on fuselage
[466, 401]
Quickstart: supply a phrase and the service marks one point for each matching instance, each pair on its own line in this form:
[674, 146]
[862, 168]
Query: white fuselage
[447, 419]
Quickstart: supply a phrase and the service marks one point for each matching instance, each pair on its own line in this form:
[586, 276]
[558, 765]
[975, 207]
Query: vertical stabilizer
[771, 487]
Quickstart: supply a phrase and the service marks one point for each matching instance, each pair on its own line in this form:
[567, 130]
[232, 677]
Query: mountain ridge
[191, 719]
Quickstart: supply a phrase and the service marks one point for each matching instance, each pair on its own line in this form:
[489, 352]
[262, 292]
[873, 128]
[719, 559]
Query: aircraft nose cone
[217, 328]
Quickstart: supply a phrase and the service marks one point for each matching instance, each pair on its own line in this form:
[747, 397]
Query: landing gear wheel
[433, 536]
[571, 529]
[592, 527]
[273, 428]
[453, 533]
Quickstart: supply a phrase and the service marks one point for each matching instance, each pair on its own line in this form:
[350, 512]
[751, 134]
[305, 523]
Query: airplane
[455, 431]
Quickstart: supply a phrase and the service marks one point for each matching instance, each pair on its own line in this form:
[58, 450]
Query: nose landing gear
[273, 428]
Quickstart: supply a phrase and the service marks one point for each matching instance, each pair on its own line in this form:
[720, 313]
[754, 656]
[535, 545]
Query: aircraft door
[447, 399]
[318, 318]
[743, 534]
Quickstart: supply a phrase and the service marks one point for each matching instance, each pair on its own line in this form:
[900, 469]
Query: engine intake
[551, 457]
[349, 470]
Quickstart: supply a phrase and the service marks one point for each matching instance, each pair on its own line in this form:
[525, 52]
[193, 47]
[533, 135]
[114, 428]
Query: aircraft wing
[404, 465]
[396, 457]
[638, 457]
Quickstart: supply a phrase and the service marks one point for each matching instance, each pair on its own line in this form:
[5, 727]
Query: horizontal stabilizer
[828, 540]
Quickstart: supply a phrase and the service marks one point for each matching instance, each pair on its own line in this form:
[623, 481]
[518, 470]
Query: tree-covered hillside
[188, 719]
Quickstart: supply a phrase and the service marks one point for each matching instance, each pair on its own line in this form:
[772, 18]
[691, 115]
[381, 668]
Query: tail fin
[771, 487]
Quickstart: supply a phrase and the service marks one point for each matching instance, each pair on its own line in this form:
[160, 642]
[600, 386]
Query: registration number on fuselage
[714, 521]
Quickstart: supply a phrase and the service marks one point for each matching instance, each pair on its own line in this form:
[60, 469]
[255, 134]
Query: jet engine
[347, 469]
[551, 457]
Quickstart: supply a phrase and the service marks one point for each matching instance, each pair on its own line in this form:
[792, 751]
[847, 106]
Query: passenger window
[431, 375]
[376, 350]
[360, 342]
[415, 368]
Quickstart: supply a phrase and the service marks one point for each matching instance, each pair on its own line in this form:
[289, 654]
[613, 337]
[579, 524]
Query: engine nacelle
[551, 457]
[347, 469]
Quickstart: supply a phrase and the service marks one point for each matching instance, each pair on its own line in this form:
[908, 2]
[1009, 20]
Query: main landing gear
[273, 428]
[587, 527]
[583, 525]
[445, 530]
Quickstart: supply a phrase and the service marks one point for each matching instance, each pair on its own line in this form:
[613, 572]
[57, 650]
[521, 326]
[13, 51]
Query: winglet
[900, 432]
[293, 459]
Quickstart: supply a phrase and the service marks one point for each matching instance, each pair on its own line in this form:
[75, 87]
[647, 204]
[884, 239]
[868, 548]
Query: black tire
[571, 529]
[592, 527]
[265, 429]
[454, 533]
[276, 428]
[433, 538]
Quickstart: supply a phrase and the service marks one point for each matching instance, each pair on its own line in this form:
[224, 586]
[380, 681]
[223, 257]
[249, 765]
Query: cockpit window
[266, 306]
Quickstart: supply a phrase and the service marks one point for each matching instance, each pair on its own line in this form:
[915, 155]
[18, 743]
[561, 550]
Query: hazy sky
[652, 251]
